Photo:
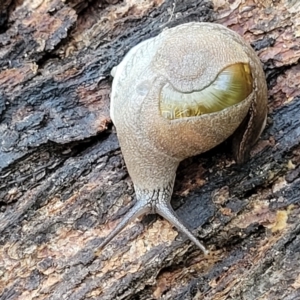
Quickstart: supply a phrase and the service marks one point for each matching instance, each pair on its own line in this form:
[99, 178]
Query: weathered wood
[64, 185]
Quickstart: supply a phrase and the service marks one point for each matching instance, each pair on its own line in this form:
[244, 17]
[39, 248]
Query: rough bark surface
[64, 185]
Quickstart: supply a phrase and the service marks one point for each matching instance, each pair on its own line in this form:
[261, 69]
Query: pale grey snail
[180, 94]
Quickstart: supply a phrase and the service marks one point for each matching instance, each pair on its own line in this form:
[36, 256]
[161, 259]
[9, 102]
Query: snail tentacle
[140, 208]
[165, 210]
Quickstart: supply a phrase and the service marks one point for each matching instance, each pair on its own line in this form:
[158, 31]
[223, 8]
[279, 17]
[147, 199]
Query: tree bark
[64, 184]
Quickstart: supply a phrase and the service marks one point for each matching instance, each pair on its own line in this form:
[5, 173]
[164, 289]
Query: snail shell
[180, 94]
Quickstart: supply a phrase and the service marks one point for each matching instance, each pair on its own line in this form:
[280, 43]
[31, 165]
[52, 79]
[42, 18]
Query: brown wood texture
[64, 185]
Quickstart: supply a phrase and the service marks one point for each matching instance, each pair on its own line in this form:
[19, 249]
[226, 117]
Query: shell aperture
[232, 85]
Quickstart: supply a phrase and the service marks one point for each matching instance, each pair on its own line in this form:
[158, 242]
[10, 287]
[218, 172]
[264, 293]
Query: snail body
[178, 95]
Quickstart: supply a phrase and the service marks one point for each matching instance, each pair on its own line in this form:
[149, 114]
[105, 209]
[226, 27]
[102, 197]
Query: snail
[180, 94]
